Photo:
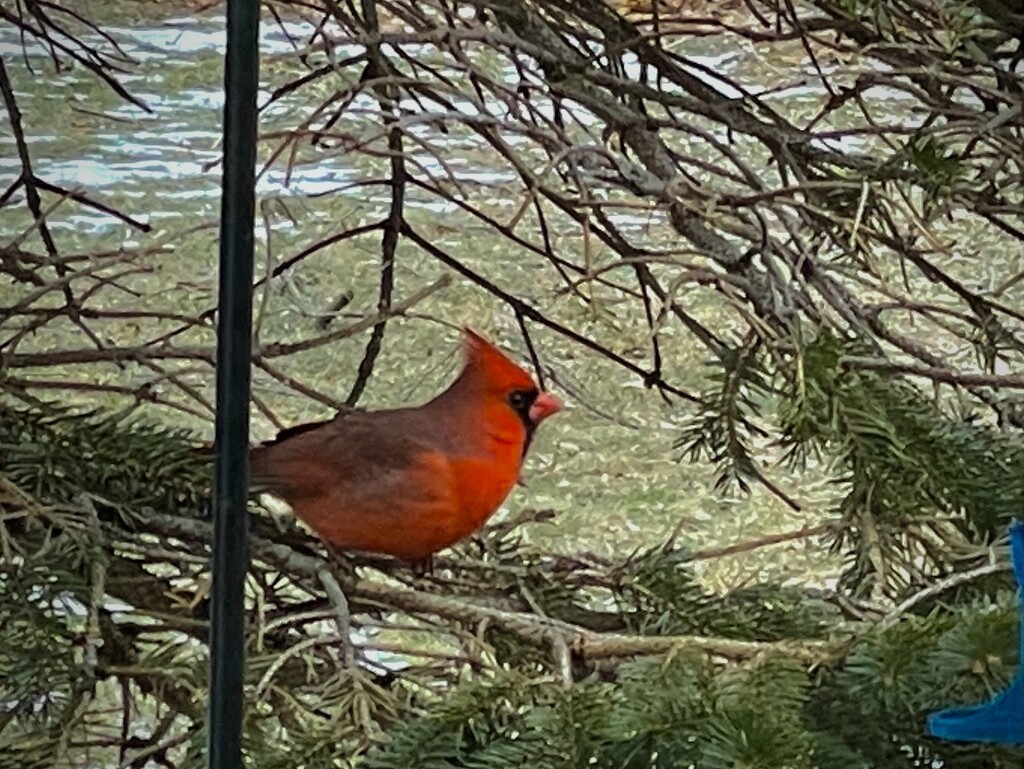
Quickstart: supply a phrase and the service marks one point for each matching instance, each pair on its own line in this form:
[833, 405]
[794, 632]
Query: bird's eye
[520, 399]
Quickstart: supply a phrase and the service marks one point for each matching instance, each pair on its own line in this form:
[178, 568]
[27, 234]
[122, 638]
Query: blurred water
[170, 157]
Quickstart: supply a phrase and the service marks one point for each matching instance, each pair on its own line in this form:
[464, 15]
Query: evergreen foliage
[864, 707]
[822, 257]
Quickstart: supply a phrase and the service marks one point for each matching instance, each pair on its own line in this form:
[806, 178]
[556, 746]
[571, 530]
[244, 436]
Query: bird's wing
[360, 449]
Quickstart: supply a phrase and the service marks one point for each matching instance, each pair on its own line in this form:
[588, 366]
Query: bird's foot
[336, 557]
[423, 567]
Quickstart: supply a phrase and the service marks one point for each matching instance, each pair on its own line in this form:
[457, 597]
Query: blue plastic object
[1002, 719]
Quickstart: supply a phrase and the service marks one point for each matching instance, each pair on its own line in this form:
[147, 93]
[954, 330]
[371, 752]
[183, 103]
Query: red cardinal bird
[411, 481]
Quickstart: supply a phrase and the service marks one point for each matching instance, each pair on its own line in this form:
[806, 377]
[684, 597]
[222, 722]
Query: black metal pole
[234, 358]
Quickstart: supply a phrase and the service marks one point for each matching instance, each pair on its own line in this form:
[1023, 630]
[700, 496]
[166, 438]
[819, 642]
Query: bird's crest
[481, 355]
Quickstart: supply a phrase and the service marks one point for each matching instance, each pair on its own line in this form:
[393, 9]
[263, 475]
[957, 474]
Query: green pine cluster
[80, 495]
[926, 480]
[681, 711]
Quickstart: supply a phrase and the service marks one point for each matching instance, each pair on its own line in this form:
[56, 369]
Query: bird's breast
[485, 451]
[483, 486]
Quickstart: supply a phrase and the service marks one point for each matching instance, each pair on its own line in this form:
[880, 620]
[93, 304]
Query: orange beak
[544, 406]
